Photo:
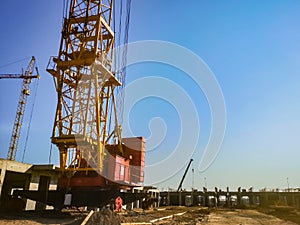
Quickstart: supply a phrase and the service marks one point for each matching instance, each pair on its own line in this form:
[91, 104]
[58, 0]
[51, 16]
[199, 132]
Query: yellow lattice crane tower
[25, 92]
[96, 163]
[85, 85]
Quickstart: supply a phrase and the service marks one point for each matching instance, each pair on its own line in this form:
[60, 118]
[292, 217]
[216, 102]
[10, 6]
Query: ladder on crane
[25, 92]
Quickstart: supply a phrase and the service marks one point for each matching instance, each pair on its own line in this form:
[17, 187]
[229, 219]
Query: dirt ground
[50, 217]
[243, 217]
[160, 216]
[198, 216]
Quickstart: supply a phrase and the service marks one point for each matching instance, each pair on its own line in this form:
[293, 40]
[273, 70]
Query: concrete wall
[42, 181]
[241, 198]
[16, 175]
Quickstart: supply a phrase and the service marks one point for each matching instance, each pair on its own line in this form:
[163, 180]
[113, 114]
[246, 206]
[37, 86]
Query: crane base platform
[79, 198]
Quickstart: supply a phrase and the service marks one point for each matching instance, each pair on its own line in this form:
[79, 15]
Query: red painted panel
[134, 148]
[77, 182]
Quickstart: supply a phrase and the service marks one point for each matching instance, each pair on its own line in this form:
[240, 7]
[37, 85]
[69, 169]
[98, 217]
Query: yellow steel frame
[85, 85]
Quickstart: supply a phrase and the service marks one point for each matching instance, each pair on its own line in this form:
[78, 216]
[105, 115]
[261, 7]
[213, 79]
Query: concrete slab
[14, 166]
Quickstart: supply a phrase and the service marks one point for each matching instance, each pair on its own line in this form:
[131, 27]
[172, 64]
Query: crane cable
[65, 7]
[116, 55]
[17, 61]
[120, 58]
[30, 119]
[65, 4]
[124, 60]
[119, 34]
[65, 10]
[50, 153]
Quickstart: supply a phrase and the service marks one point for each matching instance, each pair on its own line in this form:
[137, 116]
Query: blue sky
[252, 47]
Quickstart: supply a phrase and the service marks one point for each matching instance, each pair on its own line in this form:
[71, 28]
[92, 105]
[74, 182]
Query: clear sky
[253, 49]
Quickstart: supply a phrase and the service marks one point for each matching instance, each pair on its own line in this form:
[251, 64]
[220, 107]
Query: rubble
[159, 216]
[104, 216]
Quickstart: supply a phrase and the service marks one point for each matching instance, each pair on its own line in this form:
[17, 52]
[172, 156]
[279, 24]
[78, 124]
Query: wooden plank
[87, 218]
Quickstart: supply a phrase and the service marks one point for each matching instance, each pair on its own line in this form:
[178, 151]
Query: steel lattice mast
[25, 92]
[85, 86]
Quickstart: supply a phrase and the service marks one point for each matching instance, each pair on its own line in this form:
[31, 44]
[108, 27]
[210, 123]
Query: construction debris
[104, 216]
[161, 216]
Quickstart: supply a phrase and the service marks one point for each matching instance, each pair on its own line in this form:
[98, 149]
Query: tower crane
[25, 92]
[96, 164]
[85, 85]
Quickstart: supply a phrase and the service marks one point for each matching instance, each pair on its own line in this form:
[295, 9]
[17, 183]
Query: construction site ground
[159, 216]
